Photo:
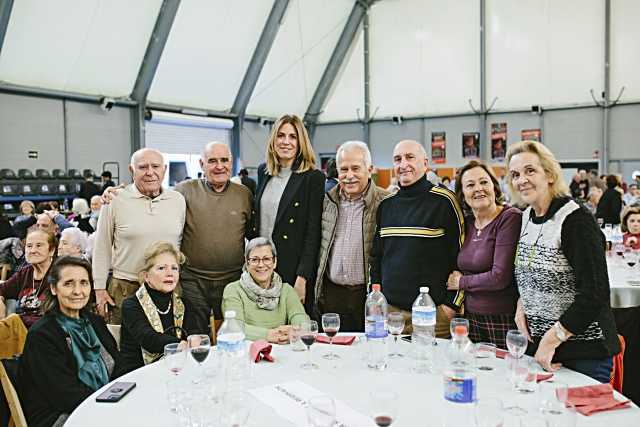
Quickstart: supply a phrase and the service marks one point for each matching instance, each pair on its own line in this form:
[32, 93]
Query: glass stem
[309, 355]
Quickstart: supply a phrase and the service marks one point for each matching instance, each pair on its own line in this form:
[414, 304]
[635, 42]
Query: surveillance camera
[265, 122]
[106, 104]
[396, 120]
[536, 109]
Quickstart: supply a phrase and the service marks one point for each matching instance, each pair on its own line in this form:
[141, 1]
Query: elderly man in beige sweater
[143, 213]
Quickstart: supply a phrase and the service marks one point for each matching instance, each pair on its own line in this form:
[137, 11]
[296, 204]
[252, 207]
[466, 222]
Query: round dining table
[624, 283]
[418, 397]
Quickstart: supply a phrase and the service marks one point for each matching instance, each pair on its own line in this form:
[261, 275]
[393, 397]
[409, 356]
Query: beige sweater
[128, 225]
[215, 228]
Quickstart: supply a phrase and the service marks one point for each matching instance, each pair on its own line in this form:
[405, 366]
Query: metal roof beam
[259, 57]
[5, 15]
[158, 39]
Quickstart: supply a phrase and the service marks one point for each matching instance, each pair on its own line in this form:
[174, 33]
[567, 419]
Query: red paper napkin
[541, 376]
[340, 340]
[259, 350]
[594, 398]
[501, 354]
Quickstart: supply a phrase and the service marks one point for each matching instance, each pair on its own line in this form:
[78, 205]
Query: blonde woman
[288, 203]
[155, 315]
[560, 269]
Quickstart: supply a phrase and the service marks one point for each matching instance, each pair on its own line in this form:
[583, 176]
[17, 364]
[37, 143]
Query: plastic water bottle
[375, 329]
[423, 320]
[232, 350]
[459, 379]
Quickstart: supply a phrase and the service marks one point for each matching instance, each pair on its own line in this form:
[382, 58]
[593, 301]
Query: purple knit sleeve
[500, 275]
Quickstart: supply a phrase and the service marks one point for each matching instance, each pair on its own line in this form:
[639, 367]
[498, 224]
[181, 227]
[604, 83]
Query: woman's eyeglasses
[267, 261]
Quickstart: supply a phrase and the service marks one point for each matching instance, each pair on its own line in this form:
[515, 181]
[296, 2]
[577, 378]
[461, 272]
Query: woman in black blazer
[288, 204]
[69, 352]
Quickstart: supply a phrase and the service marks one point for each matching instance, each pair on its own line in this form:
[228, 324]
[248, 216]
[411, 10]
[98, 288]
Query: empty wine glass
[488, 413]
[174, 357]
[485, 354]
[384, 407]
[308, 333]
[321, 411]
[199, 347]
[331, 326]
[516, 343]
[553, 395]
[395, 325]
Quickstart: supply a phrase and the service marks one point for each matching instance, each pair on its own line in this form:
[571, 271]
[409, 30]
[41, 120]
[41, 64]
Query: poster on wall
[498, 140]
[438, 147]
[470, 145]
[531, 135]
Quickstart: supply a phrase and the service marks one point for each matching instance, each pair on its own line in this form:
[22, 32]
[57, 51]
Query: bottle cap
[230, 314]
[424, 289]
[460, 330]
[376, 287]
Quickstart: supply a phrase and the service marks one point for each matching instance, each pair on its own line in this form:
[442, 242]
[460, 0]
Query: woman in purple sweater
[487, 255]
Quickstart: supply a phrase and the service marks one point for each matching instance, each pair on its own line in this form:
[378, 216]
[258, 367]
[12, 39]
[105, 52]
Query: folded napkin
[501, 353]
[541, 376]
[340, 339]
[259, 350]
[594, 398]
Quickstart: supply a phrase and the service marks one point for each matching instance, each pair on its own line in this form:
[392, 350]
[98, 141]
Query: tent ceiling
[86, 46]
[425, 54]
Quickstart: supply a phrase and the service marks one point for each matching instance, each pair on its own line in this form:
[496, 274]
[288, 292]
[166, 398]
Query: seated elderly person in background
[27, 210]
[81, 215]
[28, 284]
[155, 315]
[96, 205]
[267, 306]
[631, 226]
[68, 354]
[73, 242]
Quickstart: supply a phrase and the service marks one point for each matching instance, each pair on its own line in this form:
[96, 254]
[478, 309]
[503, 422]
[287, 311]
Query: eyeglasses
[267, 261]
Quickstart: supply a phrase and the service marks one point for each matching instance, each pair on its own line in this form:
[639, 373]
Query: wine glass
[385, 406]
[321, 411]
[395, 325]
[308, 333]
[199, 346]
[459, 326]
[516, 343]
[488, 413]
[631, 259]
[331, 326]
[553, 395]
[485, 354]
[174, 357]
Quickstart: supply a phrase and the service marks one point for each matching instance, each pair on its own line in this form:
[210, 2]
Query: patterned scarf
[267, 299]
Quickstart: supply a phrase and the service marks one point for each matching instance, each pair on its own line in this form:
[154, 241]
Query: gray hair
[80, 206]
[76, 237]
[354, 145]
[135, 155]
[259, 242]
[211, 144]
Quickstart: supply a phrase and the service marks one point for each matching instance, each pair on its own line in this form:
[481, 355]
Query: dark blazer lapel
[295, 181]
[263, 184]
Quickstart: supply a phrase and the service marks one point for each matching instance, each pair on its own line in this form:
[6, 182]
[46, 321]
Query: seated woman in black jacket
[155, 315]
[69, 353]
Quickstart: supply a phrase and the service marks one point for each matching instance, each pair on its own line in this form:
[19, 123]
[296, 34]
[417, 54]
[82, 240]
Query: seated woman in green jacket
[267, 306]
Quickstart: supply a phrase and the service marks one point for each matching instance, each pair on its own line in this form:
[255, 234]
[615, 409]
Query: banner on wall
[498, 140]
[531, 135]
[438, 147]
[470, 145]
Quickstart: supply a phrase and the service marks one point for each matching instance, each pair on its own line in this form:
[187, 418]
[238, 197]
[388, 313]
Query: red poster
[498, 140]
[531, 135]
[470, 145]
[438, 147]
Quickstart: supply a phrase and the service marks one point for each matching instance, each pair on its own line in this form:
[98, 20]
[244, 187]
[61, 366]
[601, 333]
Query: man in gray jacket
[348, 228]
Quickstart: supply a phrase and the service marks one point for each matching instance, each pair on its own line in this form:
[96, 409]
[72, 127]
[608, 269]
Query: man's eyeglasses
[267, 261]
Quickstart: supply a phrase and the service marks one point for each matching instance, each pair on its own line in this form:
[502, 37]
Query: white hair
[135, 155]
[351, 146]
[76, 237]
[214, 144]
[80, 206]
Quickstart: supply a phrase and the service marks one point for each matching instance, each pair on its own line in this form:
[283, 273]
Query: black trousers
[347, 301]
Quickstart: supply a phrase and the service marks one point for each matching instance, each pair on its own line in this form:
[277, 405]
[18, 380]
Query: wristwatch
[560, 333]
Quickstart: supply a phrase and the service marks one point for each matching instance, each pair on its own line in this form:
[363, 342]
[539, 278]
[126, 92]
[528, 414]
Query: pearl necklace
[166, 311]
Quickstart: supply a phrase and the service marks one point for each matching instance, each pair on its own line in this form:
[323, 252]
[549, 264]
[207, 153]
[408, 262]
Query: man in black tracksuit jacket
[419, 232]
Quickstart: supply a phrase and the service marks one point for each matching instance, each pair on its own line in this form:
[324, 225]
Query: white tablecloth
[623, 293]
[420, 400]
